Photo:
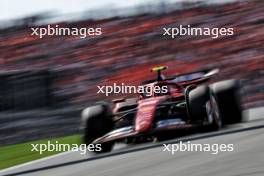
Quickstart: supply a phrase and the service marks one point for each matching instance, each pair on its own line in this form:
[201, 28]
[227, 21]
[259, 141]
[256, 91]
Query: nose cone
[146, 113]
[144, 118]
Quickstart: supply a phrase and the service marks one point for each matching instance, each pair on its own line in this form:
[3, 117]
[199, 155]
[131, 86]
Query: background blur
[44, 83]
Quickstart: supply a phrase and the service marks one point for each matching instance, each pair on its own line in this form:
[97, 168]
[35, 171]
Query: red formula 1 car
[188, 103]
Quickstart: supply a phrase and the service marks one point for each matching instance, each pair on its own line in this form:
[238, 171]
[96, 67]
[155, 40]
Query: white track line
[35, 161]
[258, 114]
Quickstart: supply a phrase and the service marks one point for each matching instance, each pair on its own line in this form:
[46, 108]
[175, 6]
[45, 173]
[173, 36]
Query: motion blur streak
[46, 82]
[134, 44]
[154, 162]
[148, 159]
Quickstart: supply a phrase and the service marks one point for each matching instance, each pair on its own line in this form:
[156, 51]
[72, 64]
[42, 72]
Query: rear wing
[185, 78]
[193, 77]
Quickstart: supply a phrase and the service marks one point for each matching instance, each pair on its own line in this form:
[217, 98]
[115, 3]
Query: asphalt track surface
[150, 159]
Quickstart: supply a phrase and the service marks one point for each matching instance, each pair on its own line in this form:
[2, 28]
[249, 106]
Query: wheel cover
[215, 111]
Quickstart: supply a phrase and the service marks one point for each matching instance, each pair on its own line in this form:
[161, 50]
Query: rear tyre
[96, 122]
[196, 99]
[213, 114]
[227, 96]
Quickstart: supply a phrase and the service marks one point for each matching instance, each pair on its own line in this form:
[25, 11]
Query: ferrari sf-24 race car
[190, 102]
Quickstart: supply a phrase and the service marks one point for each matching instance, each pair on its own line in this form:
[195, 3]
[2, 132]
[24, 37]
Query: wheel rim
[209, 111]
[215, 111]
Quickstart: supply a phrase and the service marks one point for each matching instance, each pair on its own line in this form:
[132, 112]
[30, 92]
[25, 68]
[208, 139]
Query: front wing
[129, 131]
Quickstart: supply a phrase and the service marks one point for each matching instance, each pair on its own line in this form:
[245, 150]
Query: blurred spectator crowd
[130, 46]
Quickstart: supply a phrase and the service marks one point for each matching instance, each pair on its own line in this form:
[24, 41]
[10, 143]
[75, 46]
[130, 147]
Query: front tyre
[96, 122]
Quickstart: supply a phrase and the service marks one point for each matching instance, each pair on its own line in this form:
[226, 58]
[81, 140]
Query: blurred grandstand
[63, 72]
